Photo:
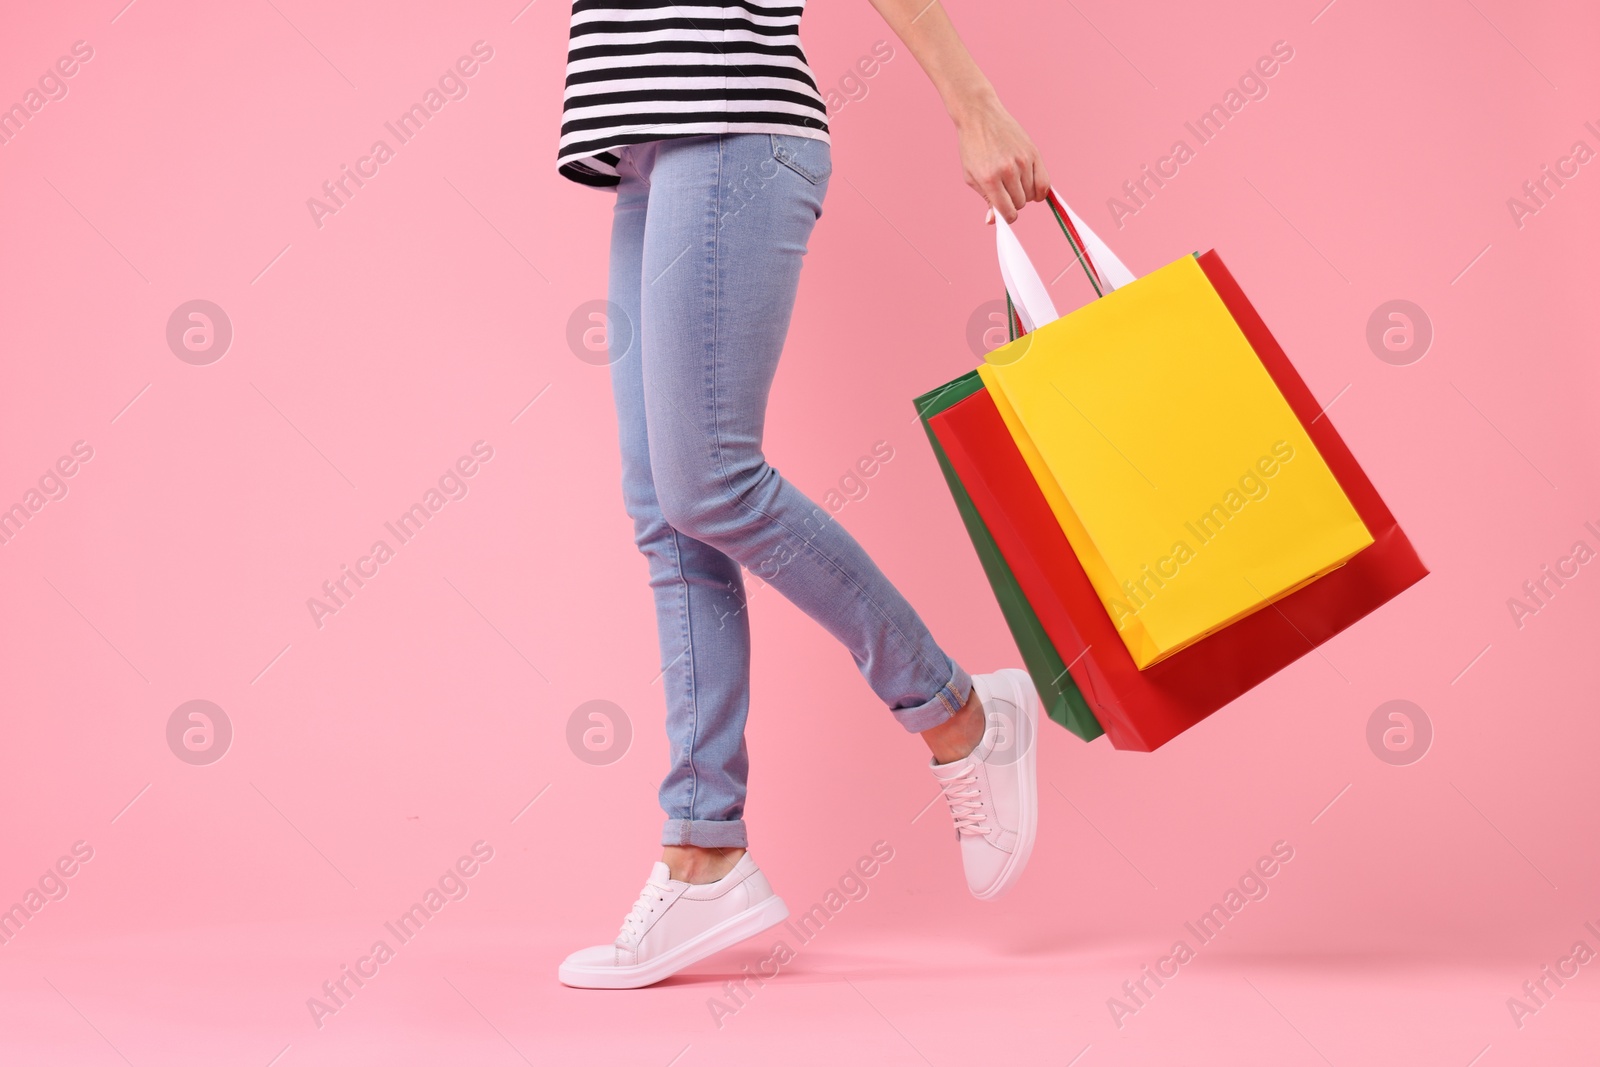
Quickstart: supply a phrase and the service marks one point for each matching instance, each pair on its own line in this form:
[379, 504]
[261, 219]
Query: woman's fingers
[1002, 186]
[1010, 186]
[1011, 181]
[1000, 196]
[1041, 180]
[1004, 205]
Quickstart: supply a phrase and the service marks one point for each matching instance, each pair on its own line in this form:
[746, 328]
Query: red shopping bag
[1142, 710]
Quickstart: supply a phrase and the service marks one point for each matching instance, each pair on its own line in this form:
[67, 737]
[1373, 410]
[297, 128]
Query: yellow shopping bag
[1183, 481]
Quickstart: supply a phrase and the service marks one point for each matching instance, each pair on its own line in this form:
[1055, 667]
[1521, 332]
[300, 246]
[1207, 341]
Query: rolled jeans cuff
[950, 698]
[705, 833]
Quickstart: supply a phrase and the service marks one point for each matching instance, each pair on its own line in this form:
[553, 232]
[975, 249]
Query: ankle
[957, 736]
[697, 865]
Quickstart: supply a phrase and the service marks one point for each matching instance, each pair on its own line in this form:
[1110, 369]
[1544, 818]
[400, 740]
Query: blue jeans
[706, 247]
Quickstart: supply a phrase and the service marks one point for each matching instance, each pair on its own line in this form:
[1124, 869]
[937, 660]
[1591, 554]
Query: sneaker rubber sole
[726, 934]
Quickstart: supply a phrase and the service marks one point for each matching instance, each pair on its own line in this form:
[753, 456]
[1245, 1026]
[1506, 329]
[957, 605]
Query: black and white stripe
[642, 70]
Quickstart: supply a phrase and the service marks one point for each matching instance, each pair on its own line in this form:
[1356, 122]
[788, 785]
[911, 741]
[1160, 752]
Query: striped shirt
[643, 70]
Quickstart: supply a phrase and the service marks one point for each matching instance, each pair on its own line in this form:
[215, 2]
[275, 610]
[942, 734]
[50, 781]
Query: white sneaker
[993, 792]
[674, 924]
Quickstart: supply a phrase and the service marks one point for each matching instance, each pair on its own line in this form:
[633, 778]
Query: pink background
[370, 353]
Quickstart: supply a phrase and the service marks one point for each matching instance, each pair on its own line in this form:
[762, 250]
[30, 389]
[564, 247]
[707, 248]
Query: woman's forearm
[931, 37]
[998, 159]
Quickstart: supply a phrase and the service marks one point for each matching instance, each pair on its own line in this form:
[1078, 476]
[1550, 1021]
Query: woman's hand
[999, 160]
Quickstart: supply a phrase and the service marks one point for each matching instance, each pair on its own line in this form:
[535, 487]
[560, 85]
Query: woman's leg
[699, 592]
[727, 224]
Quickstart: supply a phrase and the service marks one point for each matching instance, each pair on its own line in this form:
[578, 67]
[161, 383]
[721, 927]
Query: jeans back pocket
[806, 156]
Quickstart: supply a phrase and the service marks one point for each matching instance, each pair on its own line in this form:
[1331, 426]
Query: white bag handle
[1028, 293]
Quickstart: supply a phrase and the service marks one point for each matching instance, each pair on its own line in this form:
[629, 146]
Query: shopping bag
[1178, 472]
[1062, 701]
[1143, 709]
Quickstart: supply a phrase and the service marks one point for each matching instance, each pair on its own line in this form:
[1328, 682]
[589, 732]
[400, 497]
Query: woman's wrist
[970, 105]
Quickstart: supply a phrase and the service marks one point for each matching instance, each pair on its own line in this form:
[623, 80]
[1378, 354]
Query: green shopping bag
[1058, 692]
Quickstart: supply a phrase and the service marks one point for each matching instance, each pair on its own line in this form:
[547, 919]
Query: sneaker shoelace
[649, 898]
[966, 804]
